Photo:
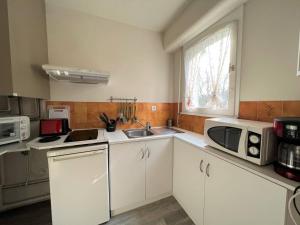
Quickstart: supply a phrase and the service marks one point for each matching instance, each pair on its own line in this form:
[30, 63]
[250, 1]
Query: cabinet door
[38, 165]
[159, 166]
[188, 180]
[234, 196]
[127, 174]
[15, 166]
[79, 187]
[28, 48]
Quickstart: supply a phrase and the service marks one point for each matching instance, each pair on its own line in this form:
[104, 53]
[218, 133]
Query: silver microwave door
[9, 132]
[227, 137]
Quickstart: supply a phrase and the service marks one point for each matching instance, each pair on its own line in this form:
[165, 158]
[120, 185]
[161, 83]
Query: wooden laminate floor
[164, 212]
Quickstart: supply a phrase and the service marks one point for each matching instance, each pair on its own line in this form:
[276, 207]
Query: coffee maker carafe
[287, 130]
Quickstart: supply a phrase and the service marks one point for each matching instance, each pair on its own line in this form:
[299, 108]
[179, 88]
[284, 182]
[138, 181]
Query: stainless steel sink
[136, 133]
[165, 130]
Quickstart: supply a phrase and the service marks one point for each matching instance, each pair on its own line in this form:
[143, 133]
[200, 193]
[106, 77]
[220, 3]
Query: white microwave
[14, 129]
[253, 141]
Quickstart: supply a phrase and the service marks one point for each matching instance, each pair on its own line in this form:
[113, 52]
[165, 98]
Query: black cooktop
[82, 135]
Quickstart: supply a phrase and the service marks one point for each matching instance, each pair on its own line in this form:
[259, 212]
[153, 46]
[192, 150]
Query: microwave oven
[14, 129]
[253, 141]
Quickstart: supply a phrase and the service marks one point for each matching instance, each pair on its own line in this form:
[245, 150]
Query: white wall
[138, 64]
[270, 43]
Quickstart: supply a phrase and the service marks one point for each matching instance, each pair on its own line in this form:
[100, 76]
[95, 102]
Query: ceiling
[153, 15]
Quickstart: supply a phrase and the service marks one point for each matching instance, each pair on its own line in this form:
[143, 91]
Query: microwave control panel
[24, 127]
[254, 145]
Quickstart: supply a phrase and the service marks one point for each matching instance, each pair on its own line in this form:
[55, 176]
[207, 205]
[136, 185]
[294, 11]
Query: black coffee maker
[287, 130]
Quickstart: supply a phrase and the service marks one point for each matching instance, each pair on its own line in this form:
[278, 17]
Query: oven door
[9, 131]
[229, 139]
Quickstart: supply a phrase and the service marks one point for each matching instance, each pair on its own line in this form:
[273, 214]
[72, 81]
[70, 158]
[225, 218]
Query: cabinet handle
[143, 153]
[207, 170]
[148, 152]
[201, 166]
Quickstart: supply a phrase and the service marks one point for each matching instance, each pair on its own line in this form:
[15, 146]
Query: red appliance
[287, 130]
[54, 127]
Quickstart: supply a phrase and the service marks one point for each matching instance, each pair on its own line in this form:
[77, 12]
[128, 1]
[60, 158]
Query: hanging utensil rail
[123, 99]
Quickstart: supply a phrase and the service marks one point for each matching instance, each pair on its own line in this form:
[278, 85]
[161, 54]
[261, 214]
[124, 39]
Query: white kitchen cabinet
[159, 164]
[12, 174]
[139, 172]
[223, 193]
[188, 180]
[127, 174]
[25, 183]
[23, 44]
[234, 196]
[38, 166]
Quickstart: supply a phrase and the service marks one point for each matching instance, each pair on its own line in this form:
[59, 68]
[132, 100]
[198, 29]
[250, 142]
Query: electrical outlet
[153, 108]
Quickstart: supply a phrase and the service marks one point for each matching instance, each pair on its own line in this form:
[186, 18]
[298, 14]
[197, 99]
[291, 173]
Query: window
[209, 68]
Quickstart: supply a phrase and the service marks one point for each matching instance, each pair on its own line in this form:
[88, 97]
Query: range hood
[76, 75]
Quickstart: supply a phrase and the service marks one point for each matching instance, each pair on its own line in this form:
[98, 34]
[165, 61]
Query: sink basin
[136, 133]
[165, 130]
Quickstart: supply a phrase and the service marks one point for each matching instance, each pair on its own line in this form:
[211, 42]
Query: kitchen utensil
[125, 113]
[106, 117]
[112, 126]
[129, 105]
[119, 109]
[134, 119]
[121, 113]
[109, 123]
[170, 123]
[103, 119]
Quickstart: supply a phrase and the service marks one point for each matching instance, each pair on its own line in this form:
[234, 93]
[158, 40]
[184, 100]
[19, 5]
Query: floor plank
[164, 212]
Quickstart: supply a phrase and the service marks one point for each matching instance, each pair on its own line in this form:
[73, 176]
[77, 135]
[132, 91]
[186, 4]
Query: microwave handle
[244, 143]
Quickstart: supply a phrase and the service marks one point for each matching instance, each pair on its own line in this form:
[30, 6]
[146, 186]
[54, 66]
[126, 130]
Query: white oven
[14, 129]
[253, 141]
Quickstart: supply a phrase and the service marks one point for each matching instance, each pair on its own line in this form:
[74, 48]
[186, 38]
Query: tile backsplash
[85, 114]
[267, 110]
[264, 111]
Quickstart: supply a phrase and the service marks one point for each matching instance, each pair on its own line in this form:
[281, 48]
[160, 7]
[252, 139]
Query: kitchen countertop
[194, 139]
[14, 147]
[35, 144]
[118, 136]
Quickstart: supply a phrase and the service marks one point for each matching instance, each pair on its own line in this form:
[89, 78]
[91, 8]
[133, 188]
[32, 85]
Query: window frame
[232, 74]
[235, 15]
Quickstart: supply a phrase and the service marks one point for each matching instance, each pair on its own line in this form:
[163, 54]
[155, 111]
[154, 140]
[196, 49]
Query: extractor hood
[76, 75]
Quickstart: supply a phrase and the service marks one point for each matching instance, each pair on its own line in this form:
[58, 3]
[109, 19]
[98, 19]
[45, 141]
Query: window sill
[207, 115]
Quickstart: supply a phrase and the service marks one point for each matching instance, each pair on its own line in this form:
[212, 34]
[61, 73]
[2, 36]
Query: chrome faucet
[147, 126]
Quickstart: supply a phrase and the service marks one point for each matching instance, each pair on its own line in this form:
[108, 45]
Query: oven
[14, 129]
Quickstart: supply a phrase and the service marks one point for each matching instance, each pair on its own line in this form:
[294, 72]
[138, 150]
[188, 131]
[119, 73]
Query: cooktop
[82, 135]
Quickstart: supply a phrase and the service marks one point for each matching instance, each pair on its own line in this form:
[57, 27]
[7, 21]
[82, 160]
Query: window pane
[207, 72]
